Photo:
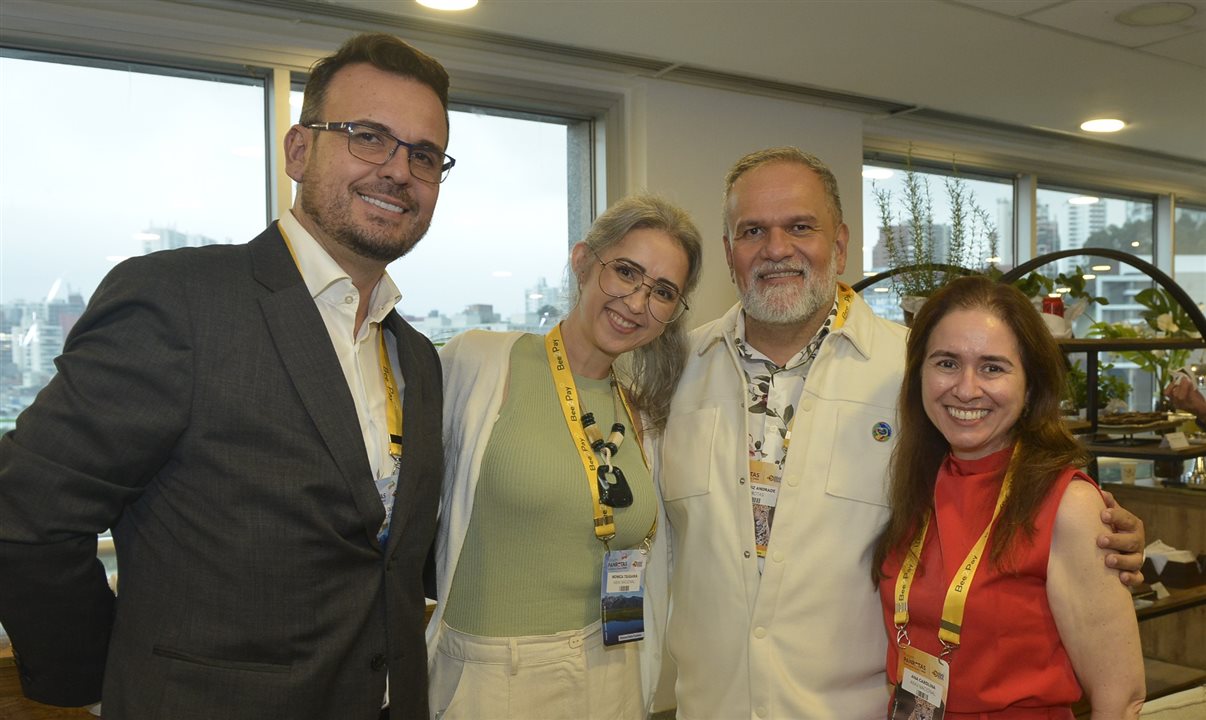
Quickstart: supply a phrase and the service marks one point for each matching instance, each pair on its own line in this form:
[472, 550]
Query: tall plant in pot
[907, 226]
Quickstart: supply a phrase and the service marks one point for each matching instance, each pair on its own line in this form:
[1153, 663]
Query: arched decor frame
[1155, 273]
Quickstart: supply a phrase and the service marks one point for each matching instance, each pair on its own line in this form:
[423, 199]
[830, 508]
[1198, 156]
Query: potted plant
[1162, 317]
[909, 237]
[1072, 286]
[1109, 387]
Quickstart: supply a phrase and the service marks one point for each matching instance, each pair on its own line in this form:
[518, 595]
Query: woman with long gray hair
[550, 565]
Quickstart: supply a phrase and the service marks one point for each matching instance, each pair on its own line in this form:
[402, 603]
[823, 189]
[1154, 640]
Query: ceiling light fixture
[1083, 200]
[1156, 14]
[1102, 125]
[449, 5]
[1101, 268]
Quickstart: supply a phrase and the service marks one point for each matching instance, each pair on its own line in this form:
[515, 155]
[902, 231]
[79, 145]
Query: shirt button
[760, 711]
[793, 481]
[759, 632]
[778, 556]
[377, 663]
[747, 554]
[349, 300]
[740, 481]
[806, 404]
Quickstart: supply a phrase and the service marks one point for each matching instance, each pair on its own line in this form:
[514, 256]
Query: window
[988, 208]
[103, 162]
[1067, 219]
[1190, 259]
[496, 253]
[1189, 263]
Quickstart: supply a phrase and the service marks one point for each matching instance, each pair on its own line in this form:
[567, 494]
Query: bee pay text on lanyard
[924, 680]
[622, 593]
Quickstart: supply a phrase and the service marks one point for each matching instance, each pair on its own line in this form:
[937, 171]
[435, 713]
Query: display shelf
[1177, 600]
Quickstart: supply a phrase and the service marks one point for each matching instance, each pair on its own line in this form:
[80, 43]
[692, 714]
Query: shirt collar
[806, 354]
[320, 271]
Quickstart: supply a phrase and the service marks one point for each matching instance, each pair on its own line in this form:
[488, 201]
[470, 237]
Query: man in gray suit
[261, 431]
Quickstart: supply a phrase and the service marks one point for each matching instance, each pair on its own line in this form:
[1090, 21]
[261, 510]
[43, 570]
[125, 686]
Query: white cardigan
[476, 367]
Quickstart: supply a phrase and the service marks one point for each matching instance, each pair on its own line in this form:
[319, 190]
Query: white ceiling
[1037, 64]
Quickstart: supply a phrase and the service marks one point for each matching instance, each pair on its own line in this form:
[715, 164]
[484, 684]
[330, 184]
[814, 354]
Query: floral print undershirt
[772, 393]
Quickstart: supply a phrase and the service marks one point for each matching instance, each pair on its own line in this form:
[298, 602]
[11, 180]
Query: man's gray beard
[789, 305]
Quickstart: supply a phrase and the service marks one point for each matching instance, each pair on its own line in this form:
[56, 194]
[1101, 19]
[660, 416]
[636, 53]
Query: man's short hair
[784, 154]
[382, 51]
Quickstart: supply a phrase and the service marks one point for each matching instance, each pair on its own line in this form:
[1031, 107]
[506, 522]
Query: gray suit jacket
[201, 413]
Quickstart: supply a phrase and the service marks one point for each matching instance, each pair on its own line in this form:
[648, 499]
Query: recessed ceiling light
[1089, 276]
[448, 4]
[1135, 243]
[880, 289]
[877, 173]
[1083, 200]
[1157, 13]
[1101, 268]
[1102, 125]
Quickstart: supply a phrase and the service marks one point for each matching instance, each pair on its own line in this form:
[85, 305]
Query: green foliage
[1122, 237]
[1072, 285]
[1109, 387]
[1190, 234]
[1163, 318]
[973, 234]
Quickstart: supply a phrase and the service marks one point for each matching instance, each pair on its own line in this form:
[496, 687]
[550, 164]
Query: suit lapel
[305, 349]
[414, 410]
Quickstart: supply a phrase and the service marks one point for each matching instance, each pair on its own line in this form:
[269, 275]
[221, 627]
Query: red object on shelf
[1053, 305]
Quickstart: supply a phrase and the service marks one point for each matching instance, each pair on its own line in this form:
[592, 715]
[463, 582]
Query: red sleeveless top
[1011, 663]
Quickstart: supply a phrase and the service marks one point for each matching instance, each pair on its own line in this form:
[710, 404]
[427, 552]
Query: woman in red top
[998, 602]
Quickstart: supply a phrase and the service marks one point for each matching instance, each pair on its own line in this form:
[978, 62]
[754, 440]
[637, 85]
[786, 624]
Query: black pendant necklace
[613, 486]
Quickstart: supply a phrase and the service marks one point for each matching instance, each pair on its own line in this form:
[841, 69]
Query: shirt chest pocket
[858, 449]
[687, 449]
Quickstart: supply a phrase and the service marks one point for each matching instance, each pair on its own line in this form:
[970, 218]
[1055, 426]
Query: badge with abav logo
[881, 431]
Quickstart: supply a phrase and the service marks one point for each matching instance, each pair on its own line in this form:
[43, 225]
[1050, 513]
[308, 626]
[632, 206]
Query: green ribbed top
[531, 564]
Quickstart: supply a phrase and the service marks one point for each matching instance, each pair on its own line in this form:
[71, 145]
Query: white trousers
[567, 676]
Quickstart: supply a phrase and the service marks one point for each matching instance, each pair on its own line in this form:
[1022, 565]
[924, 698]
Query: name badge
[921, 692]
[764, 490]
[623, 596]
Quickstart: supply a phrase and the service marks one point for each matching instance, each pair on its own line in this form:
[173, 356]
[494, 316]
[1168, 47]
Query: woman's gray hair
[654, 368]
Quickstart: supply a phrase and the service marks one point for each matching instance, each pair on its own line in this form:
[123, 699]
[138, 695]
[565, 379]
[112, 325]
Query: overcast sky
[90, 158]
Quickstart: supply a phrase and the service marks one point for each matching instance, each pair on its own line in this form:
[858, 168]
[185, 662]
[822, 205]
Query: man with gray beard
[773, 612]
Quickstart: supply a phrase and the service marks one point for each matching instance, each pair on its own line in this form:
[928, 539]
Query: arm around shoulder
[1092, 610]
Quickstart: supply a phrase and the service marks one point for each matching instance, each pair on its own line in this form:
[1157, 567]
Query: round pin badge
[881, 431]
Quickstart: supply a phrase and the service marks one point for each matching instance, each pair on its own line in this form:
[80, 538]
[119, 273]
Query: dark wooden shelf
[1138, 449]
[1178, 600]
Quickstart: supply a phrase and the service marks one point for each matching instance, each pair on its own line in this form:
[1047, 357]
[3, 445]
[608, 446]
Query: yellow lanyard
[956, 595]
[393, 403]
[844, 298]
[567, 397]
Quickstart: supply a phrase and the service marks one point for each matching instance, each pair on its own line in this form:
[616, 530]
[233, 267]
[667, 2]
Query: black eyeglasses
[377, 147]
[620, 278]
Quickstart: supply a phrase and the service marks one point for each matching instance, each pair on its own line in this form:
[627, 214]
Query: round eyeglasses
[377, 146]
[620, 278]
